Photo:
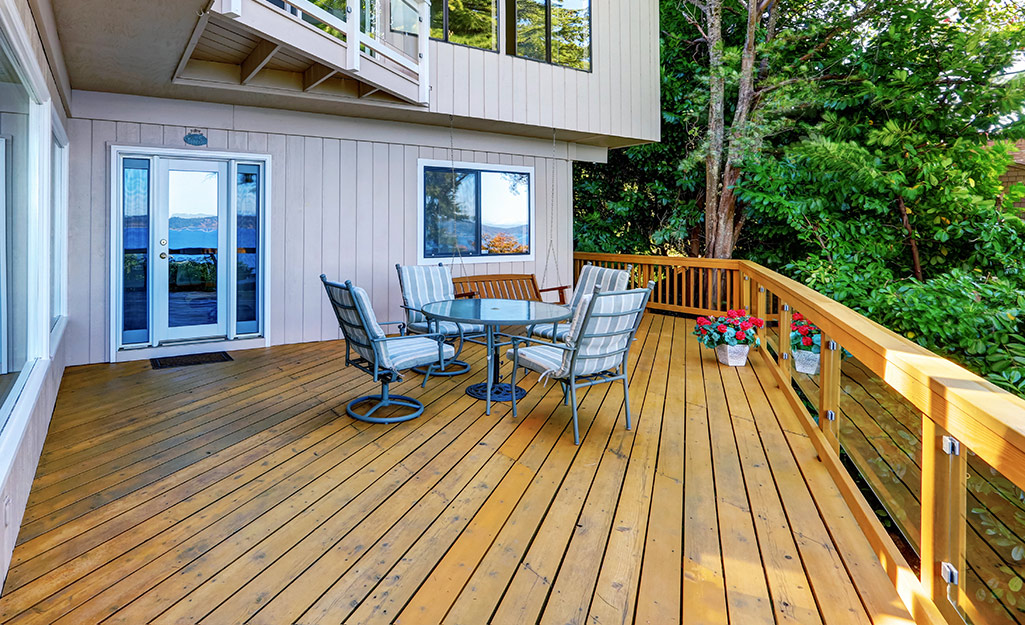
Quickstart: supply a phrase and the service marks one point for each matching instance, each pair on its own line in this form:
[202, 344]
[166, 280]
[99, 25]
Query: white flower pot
[806, 362]
[732, 355]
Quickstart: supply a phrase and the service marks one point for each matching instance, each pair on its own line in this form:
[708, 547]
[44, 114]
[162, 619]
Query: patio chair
[383, 357]
[591, 276]
[596, 350]
[421, 285]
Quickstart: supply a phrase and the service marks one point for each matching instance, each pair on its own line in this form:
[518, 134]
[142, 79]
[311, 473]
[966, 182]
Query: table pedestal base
[499, 392]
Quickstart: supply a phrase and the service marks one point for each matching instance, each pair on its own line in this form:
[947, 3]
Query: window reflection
[471, 23]
[554, 31]
[505, 213]
[135, 238]
[475, 213]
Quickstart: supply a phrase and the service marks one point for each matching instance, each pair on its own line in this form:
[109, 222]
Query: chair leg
[573, 398]
[516, 364]
[565, 394]
[626, 401]
[384, 400]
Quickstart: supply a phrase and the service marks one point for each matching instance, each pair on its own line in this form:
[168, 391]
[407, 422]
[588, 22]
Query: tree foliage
[868, 165]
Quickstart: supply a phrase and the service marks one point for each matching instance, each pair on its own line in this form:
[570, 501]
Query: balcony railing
[942, 449]
[394, 34]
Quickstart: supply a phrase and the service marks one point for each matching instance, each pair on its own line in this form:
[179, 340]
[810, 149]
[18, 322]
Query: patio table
[493, 314]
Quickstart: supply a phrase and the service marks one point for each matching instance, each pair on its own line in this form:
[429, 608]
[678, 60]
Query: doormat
[189, 359]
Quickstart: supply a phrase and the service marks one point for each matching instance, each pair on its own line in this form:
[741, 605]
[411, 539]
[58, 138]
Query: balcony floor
[240, 492]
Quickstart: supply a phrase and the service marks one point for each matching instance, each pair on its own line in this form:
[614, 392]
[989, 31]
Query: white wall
[343, 203]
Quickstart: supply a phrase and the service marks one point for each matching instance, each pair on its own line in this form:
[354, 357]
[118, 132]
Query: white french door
[190, 229]
[189, 264]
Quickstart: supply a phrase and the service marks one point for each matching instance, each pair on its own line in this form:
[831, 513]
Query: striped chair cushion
[448, 328]
[555, 362]
[540, 358]
[422, 285]
[407, 353]
[547, 331]
[582, 331]
[356, 334]
[591, 276]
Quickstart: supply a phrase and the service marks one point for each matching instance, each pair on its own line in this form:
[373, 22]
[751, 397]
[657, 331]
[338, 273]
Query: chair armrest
[561, 289]
[432, 335]
[515, 340]
[467, 295]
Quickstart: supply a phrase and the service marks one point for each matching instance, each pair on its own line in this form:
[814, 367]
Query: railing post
[424, 45]
[785, 355]
[944, 471]
[353, 35]
[745, 292]
[757, 295]
[829, 390]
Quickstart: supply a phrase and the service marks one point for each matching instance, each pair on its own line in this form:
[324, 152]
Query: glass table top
[500, 312]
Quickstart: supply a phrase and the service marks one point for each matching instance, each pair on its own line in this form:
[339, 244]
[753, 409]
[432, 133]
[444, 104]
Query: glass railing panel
[994, 589]
[881, 445]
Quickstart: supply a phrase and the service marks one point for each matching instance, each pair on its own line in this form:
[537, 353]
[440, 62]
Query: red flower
[741, 313]
[758, 322]
[704, 331]
[807, 341]
[703, 321]
[803, 330]
[722, 328]
[746, 325]
[798, 316]
[732, 314]
[741, 335]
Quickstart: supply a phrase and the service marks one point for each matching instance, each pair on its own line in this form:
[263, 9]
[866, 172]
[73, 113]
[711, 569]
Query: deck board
[240, 492]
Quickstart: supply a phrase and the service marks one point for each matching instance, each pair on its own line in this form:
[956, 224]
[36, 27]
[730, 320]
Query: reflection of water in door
[192, 248]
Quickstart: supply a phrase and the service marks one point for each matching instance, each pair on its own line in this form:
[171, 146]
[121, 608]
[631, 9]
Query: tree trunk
[716, 121]
[721, 218]
[916, 262]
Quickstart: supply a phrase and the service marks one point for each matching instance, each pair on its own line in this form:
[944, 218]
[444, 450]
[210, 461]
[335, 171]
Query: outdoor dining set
[583, 342]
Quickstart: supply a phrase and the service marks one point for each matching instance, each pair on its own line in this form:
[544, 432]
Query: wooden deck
[241, 493]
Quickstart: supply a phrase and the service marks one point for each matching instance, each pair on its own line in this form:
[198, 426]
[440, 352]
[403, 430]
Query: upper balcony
[319, 48]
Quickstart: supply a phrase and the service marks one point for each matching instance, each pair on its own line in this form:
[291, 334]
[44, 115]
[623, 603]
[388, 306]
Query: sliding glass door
[191, 249]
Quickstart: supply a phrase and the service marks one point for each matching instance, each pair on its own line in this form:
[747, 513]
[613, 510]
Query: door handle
[163, 255]
[163, 241]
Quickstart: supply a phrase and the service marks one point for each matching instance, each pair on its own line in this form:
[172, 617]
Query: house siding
[343, 202]
[620, 97]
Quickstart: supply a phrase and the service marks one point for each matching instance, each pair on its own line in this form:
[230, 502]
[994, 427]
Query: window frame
[58, 226]
[423, 165]
[511, 8]
[444, 28]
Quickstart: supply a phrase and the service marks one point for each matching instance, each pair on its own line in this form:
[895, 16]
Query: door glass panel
[192, 248]
[135, 237]
[247, 243]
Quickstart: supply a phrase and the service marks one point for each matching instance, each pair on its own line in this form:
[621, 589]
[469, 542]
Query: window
[20, 318]
[58, 217]
[553, 31]
[471, 23]
[471, 212]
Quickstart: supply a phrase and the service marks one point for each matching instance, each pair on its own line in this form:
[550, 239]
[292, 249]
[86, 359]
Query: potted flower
[805, 344]
[731, 336]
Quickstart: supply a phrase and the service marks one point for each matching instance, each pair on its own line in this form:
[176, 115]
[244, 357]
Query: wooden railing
[958, 415]
[684, 285]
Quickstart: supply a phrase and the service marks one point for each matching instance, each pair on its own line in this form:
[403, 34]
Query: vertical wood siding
[344, 207]
[619, 97]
